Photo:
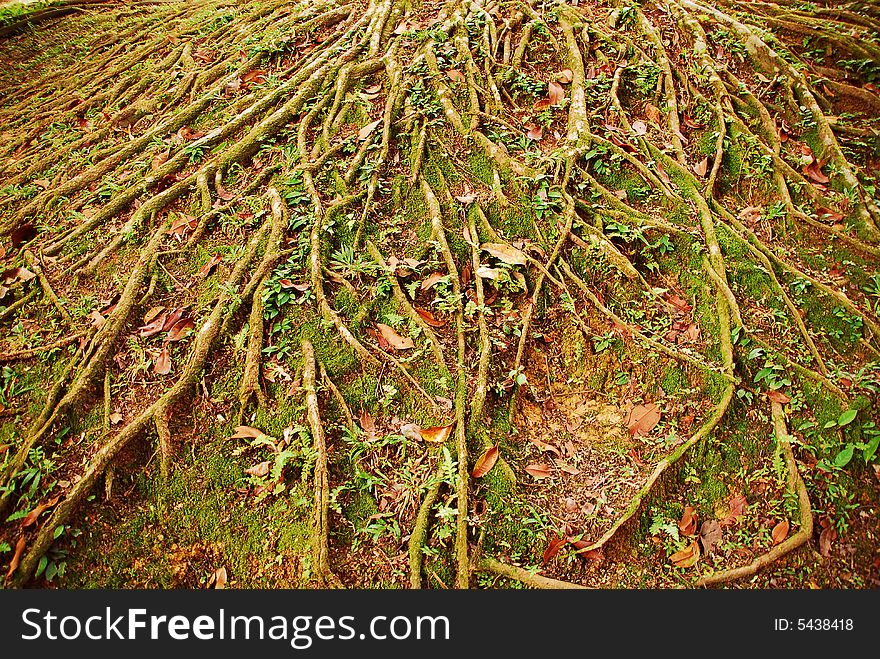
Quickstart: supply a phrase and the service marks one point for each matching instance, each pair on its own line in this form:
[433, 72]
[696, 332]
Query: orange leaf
[534, 132]
[485, 462]
[246, 432]
[429, 318]
[180, 329]
[555, 93]
[437, 434]
[16, 557]
[539, 470]
[206, 269]
[688, 556]
[394, 339]
[780, 532]
[652, 112]
[567, 468]
[778, 397]
[162, 366]
[688, 523]
[642, 419]
[455, 75]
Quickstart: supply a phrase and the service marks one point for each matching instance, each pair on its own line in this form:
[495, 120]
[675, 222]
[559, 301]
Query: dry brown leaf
[567, 468]
[534, 132]
[555, 93]
[429, 318]
[367, 130]
[260, 469]
[778, 397]
[639, 127]
[455, 75]
[180, 329]
[652, 112]
[116, 418]
[219, 579]
[485, 272]
[257, 76]
[246, 432]
[152, 314]
[780, 532]
[162, 365]
[553, 548]
[152, 328]
[688, 523]
[485, 462]
[565, 76]
[827, 536]
[687, 557]
[206, 269]
[394, 339]
[36, 512]
[642, 419]
[539, 470]
[738, 506]
[814, 173]
[506, 253]
[16, 557]
[437, 434]
[431, 280]
[710, 535]
[702, 167]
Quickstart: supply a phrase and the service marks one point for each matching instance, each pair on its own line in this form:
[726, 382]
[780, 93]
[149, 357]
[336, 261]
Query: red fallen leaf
[778, 397]
[642, 419]
[679, 303]
[555, 93]
[187, 133]
[567, 468]
[152, 328]
[259, 469]
[565, 76]
[692, 333]
[182, 225]
[780, 532]
[206, 269]
[688, 523]
[437, 434]
[635, 456]
[16, 557]
[534, 132]
[485, 462]
[662, 174]
[205, 55]
[639, 127]
[23, 234]
[553, 548]
[828, 214]
[687, 557]
[738, 506]
[180, 329]
[36, 512]
[702, 167]
[455, 75]
[368, 425]
[543, 446]
[172, 318]
[429, 318]
[827, 536]
[223, 193]
[394, 339]
[652, 112]
[539, 470]
[814, 172]
[836, 271]
[162, 365]
[246, 432]
[255, 75]
[383, 344]
[581, 545]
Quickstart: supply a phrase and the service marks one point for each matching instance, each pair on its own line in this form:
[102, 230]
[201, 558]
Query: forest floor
[418, 294]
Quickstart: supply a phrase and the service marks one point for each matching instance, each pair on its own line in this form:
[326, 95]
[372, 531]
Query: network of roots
[396, 240]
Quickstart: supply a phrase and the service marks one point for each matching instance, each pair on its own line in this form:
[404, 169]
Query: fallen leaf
[219, 579]
[152, 328]
[534, 132]
[485, 272]
[115, 418]
[567, 468]
[639, 127]
[152, 314]
[246, 432]
[259, 470]
[455, 75]
[431, 280]
[437, 434]
[180, 329]
[553, 548]
[738, 506]
[827, 536]
[778, 397]
[97, 319]
[541, 104]
[505, 253]
[16, 557]
[43, 182]
[365, 132]
[652, 112]
[160, 159]
[210, 265]
[544, 446]
[565, 76]
[814, 173]
[555, 93]
[539, 470]
[172, 317]
[255, 75]
[368, 425]
[411, 431]
[780, 532]
[429, 318]
[702, 167]
[710, 535]
[642, 419]
[394, 339]
[162, 365]
[688, 523]
[485, 462]
[687, 557]
[36, 512]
